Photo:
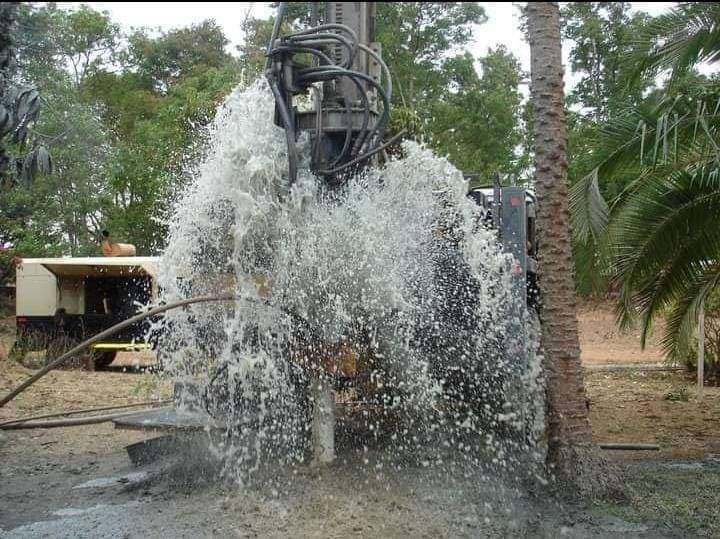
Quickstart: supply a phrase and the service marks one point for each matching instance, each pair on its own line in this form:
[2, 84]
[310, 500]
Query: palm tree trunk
[568, 426]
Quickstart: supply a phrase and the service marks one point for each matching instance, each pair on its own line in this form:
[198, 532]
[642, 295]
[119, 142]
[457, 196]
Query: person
[110, 248]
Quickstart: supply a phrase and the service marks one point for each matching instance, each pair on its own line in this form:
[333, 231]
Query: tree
[85, 38]
[177, 54]
[19, 108]
[420, 42]
[659, 236]
[568, 427]
[63, 213]
[478, 122]
[602, 36]
[156, 108]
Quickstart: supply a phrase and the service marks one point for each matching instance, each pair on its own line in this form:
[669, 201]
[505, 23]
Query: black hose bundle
[287, 78]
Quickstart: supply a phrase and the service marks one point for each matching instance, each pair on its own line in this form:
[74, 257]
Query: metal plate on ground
[167, 419]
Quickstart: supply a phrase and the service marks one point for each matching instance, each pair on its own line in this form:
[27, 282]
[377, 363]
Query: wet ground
[105, 496]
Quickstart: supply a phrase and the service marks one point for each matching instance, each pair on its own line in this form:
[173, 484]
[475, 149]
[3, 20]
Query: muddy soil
[88, 495]
[79, 482]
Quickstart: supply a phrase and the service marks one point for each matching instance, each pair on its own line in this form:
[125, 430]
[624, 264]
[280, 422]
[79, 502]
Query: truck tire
[102, 360]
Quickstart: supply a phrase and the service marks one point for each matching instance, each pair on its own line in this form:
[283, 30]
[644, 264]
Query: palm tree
[19, 108]
[569, 435]
[659, 239]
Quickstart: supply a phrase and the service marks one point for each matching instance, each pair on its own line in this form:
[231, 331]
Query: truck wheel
[58, 346]
[104, 359]
[17, 352]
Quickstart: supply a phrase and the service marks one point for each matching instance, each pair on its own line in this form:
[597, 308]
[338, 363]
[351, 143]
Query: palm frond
[682, 318]
[588, 209]
[680, 39]
[663, 236]
[641, 140]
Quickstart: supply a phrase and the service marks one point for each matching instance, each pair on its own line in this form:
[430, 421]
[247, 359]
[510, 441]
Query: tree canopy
[123, 112]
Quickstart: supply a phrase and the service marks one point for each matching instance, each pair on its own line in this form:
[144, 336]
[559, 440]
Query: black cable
[329, 39]
[316, 31]
[329, 26]
[294, 48]
[364, 126]
[275, 33]
[366, 118]
[289, 129]
[318, 125]
[349, 129]
[382, 64]
[318, 108]
[316, 41]
[321, 73]
[348, 132]
[364, 156]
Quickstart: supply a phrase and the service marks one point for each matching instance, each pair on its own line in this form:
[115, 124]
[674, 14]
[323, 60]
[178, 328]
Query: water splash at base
[390, 289]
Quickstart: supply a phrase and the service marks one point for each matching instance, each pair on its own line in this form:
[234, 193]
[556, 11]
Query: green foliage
[650, 203]
[603, 35]
[421, 43]
[121, 122]
[478, 123]
[680, 394]
[177, 54]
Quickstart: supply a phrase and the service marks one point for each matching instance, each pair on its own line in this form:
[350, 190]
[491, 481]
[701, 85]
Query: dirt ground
[640, 407]
[602, 342]
[78, 482]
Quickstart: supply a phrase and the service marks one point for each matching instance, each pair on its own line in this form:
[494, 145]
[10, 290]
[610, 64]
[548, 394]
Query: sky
[502, 27]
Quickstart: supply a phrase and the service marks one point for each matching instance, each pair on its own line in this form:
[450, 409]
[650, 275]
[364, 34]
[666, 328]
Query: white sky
[502, 26]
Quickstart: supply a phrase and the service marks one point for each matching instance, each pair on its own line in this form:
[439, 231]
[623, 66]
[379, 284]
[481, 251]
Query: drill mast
[327, 83]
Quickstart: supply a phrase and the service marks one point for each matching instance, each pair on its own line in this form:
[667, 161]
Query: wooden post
[701, 350]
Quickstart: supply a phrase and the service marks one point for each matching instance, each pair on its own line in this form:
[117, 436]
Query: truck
[512, 212]
[62, 301]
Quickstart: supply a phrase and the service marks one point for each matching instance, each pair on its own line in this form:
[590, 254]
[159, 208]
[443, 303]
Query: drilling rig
[330, 84]
[332, 93]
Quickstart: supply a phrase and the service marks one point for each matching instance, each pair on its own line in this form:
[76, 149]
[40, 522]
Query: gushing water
[389, 289]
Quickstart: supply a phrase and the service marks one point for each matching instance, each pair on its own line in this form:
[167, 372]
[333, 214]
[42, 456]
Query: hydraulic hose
[275, 33]
[107, 333]
[72, 422]
[365, 156]
[4, 424]
[324, 73]
[286, 79]
[383, 65]
[289, 129]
